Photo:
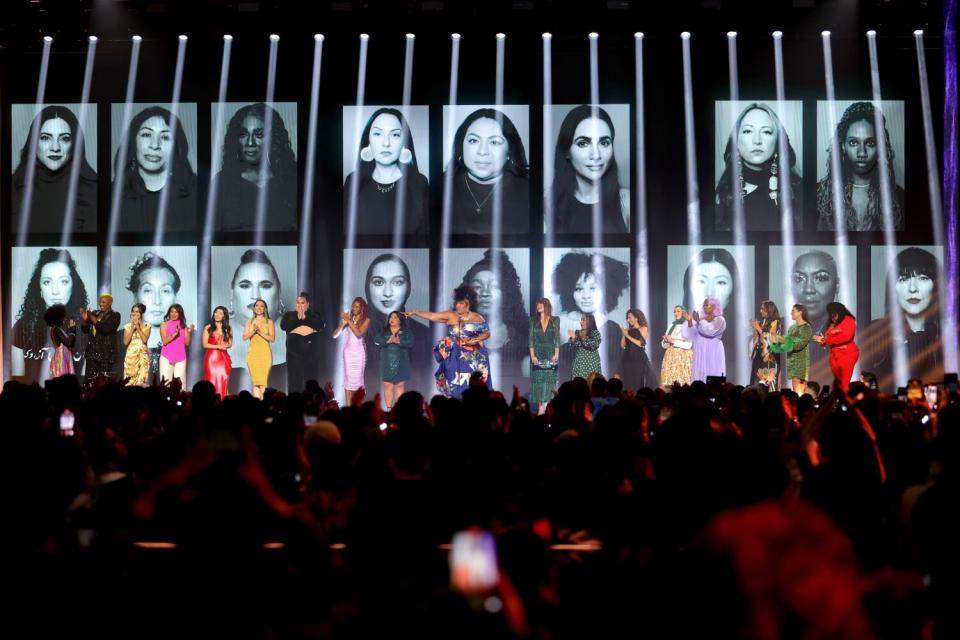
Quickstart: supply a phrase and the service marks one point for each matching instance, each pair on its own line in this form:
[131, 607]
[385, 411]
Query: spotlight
[778, 34]
[593, 35]
[501, 36]
[274, 37]
[410, 36]
[92, 38]
[364, 36]
[47, 39]
[918, 32]
[137, 38]
[183, 38]
[455, 36]
[547, 35]
[318, 37]
[871, 34]
[825, 33]
[227, 37]
[685, 35]
[731, 34]
[638, 35]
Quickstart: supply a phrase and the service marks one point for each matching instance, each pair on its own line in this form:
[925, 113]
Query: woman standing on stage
[765, 366]
[260, 331]
[176, 336]
[461, 353]
[395, 343]
[839, 335]
[635, 366]
[797, 347]
[354, 351]
[677, 366]
[706, 334]
[217, 340]
[586, 341]
[544, 354]
[136, 335]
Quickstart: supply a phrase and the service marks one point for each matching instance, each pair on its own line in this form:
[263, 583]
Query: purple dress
[709, 358]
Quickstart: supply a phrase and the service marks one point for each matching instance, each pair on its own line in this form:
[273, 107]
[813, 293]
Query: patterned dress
[458, 361]
[136, 362]
[587, 358]
[797, 347]
[677, 365]
[61, 360]
[543, 377]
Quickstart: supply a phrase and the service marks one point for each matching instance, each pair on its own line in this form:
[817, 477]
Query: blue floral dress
[462, 360]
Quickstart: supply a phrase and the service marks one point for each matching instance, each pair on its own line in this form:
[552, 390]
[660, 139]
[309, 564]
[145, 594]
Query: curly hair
[465, 292]
[29, 331]
[149, 260]
[282, 161]
[613, 275]
[517, 156]
[857, 112]
[182, 179]
[724, 198]
[512, 312]
[839, 309]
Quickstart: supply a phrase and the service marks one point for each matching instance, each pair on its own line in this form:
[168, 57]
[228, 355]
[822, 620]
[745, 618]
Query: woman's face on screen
[56, 283]
[254, 281]
[485, 150]
[386, 139]
[711, 280]
[860, 147]
[154, 144]
[156, 292]
[54, 143]
[591, 151]
[757, 138]
[815, 283]
[914, 293]
[486, 284]
[251, 139]
[588, 293]
[388, 287]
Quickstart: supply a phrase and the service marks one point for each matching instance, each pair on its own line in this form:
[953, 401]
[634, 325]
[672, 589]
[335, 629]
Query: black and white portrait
[486, 164]
[588, 281]
[156, 278]
[239, 277]
[155, 152]
[750, 170]
[252, 171]
[386, 156]
[591, 168]
[697, 273]
[501, 280]
[915, 272]
[47, 142]
[40, 278]
[392, 281]
[869, 140]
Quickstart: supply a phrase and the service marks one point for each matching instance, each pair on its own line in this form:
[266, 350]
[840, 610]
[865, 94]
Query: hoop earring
[406, 156]
[366, 154]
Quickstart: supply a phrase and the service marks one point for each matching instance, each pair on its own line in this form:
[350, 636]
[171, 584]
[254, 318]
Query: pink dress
[354, 361]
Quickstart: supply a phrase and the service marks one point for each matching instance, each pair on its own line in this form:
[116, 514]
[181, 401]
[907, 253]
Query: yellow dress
[136, 362]
[259, 360]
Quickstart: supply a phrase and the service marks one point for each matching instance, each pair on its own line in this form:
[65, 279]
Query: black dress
[377, 205]
[573, 216]
[237, 200]
[49, 200]
[635, 369]
[139, 207]
[472, 204]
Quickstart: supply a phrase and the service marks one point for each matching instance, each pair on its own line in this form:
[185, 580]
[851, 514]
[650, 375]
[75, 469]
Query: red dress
[217, 366]
[844, 352]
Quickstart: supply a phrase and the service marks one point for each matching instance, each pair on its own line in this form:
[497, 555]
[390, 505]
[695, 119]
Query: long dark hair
[76, 145]
[180, 315]
[180, 175]
[282, 161]
[29, 330]
[726, 190]
[365, 169]
[400, 317]
[564, 175]
[855, 113]
[841, 311]
[591, 323]
[224, 324]
[773, 314]
[512, 314]
[387, 257]
[916, 261]
[517, 160]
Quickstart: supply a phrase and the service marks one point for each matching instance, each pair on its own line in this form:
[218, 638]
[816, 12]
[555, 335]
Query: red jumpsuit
[843, 351]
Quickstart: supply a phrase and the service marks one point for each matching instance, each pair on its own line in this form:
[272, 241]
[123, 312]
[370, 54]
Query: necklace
[479, 205]
[385, 189]
[860, 186]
